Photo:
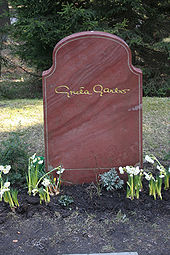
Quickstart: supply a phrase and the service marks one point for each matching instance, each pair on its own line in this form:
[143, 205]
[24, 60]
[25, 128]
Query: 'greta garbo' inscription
[97, 89]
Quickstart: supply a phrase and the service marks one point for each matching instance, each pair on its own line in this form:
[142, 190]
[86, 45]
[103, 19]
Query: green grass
[155, 126]
[26, 118]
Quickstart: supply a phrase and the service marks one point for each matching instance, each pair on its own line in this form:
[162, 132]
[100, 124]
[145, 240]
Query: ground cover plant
[86, 218]
[13, 152]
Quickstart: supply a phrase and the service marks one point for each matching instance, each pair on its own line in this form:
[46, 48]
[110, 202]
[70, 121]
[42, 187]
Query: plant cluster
[13, 152]
[155, 181]
[39, 182]
[6, 193]
[42, 184]
[65, 200]
[134, 183]
[110, 180]
[135, 176]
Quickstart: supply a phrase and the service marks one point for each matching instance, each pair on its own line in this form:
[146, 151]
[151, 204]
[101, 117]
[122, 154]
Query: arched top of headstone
[122, 47]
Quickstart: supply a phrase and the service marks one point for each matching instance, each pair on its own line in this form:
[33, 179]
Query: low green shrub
[65, 200]
[31, 88]
[158, 87]
[14, 152]
[110, 180]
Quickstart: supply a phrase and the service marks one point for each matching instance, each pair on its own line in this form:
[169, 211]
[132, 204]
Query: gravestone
[92, 106]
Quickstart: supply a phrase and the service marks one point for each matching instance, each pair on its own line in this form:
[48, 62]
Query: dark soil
[91, 224]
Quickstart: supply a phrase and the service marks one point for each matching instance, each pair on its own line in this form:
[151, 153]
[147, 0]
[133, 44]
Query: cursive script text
[97, 89]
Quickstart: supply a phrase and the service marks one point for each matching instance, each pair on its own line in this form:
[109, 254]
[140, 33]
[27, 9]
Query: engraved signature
[97, 89]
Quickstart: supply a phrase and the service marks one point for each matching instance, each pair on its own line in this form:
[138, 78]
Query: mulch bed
[106, 223]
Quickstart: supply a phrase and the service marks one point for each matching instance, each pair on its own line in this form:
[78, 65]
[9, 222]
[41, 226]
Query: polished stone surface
[92, 106]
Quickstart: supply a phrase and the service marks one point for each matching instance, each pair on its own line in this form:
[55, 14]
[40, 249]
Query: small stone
[15, 241]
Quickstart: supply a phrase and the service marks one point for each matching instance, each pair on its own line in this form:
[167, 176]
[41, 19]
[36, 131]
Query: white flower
[141, 171]
[1, 168]
[60, 171]
[136, 170]
[147, 176]
[147, 158]
[128, 169]
[161, 176]
[131, 170]
[169, 170]
[46, 182]
[40, 162]
[34, 160]
[34, 191]
[1, 193]
[6, 184]
[33, 156]
[158, 167]
[6, 169]
[121, 170]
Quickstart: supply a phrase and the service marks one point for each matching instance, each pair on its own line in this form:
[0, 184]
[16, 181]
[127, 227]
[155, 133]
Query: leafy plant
[14, 193]
[135, 175]
[155, 182]
[110, 180]
[14, 152]
[5, 192]
[35, 170]
[134, 183]
[65, 200]
[36, 177]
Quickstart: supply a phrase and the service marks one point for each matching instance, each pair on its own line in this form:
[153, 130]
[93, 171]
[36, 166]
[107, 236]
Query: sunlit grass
[18, 114]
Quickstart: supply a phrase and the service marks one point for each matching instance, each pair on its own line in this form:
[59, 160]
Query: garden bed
[91, 224]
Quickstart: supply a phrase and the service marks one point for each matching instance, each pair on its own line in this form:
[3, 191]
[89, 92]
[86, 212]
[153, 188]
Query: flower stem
[46, 175]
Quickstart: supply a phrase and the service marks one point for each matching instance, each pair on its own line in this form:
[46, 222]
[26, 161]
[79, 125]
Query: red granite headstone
[92, 106]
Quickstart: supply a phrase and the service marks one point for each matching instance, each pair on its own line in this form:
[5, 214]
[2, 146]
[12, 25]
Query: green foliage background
[143, 24]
